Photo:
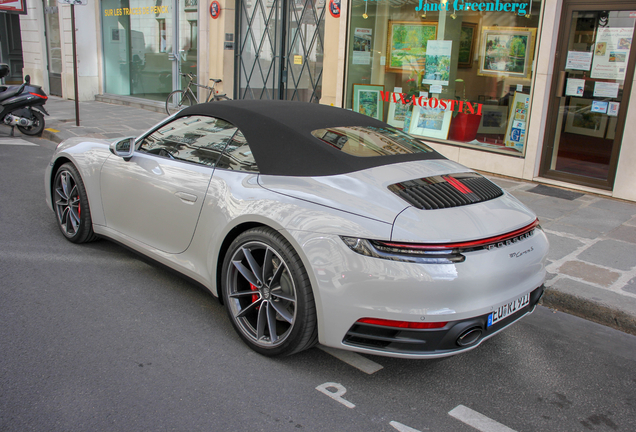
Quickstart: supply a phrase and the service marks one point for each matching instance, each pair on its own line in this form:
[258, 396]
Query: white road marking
[337, 395]
[356, 360]
[15, 141]
[477, 420]
[403, 428]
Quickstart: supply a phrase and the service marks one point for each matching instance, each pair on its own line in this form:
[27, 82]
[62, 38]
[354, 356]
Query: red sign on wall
[215, 9]
[14, 6]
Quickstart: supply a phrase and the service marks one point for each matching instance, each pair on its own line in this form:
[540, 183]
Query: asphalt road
[94, 337]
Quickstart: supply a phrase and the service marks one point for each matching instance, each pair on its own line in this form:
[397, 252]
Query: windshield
[367, 141]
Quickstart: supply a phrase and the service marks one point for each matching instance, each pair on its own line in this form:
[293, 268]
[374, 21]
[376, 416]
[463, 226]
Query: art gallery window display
[453, 71]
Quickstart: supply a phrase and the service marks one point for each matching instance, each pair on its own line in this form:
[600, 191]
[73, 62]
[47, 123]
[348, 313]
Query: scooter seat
[8, 92]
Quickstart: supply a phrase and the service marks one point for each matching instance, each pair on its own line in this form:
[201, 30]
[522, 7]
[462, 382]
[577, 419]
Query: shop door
[280, 49]
[594, 72]
[11, 47]
[53, 46]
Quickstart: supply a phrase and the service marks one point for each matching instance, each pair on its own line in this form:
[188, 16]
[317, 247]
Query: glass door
[594, 71]
[53, 46]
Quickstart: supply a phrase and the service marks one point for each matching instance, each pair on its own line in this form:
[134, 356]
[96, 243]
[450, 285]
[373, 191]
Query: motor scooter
[22, 106]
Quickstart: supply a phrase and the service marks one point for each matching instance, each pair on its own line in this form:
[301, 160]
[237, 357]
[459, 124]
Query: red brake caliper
[254, 296]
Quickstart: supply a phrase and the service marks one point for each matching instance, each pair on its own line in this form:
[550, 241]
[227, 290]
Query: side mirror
[27, 79]
[123, 148]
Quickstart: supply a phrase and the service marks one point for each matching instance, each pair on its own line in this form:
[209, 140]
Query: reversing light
[402, 324]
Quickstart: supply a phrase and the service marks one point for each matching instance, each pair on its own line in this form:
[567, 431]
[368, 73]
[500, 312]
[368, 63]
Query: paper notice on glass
[397, 89]
[612, 109]
[606, 89]
[575, 87]
[424, 94]
[362, 38]
[579, 60]
[436, 89]
[438, 60]
[611, 52]
[599, 107]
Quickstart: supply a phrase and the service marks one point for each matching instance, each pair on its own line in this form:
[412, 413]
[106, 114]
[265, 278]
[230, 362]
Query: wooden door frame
[569, 6]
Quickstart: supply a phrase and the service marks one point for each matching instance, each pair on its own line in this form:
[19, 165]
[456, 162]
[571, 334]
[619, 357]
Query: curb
[589, 309]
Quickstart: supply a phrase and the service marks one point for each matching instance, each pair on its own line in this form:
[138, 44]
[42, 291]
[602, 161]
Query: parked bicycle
[180, 99]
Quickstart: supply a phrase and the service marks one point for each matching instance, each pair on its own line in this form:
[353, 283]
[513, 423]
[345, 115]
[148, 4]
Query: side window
[197, 139]
[238, 155]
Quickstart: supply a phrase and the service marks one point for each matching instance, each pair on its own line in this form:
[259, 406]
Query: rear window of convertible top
[366, 141]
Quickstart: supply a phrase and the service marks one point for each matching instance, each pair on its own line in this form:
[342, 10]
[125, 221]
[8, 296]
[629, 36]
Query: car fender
[88, 157]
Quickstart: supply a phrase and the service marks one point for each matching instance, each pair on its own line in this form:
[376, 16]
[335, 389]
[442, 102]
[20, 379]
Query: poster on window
[362, 46]
[611, 52]
[518, 121]
[438, 55]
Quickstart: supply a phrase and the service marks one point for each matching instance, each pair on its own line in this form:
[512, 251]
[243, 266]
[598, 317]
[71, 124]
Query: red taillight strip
[402, 324]
[40, 96]
[465, 245]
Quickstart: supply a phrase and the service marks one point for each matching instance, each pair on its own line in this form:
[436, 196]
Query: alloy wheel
[262, 294]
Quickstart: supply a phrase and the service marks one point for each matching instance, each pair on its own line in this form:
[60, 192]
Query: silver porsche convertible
[311, 224]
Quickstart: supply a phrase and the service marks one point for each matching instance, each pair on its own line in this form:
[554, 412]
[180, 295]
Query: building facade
[536, 90]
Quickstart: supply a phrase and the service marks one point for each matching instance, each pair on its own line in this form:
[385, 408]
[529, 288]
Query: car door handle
[188, 198]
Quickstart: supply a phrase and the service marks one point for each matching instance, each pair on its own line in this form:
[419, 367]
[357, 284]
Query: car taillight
[402, 324]
[435, 253]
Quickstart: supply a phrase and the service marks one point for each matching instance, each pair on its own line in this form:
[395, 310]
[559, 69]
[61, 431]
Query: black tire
[37, 127]
[184, 100]
[70, 204]
[268, 295]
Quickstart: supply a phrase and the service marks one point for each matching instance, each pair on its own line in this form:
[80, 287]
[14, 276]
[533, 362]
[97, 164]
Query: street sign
[73, 2]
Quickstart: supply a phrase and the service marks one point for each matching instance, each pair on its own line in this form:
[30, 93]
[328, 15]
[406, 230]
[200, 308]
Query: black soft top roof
[279, 135]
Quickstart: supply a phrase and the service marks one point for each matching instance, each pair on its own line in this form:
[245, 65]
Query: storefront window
[454, 71]
[138, 37]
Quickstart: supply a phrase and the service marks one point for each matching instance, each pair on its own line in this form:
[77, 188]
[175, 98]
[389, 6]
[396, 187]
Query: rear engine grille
[440, 192]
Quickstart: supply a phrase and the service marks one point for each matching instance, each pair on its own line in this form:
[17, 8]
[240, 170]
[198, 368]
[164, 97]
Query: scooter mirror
[27, 79]
[4, 70]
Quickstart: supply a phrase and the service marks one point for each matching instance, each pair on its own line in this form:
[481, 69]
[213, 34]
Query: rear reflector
[402, 324]
[40, 96]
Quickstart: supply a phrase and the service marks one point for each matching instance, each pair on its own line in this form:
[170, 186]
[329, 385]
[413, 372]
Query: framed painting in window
[467, 42]
[507, 51]
[367, 100]
[430, 122]
[406, 49]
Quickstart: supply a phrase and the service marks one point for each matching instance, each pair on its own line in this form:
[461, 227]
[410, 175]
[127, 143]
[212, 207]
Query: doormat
[555, 192]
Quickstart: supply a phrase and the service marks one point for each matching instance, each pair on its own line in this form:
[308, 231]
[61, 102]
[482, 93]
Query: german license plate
[508, 309]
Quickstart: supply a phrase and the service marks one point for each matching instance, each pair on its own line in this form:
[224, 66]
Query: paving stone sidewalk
[592, 261]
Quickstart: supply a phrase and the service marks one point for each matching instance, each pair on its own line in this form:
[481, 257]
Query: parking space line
[15, 141]
[356, 360]
[402, 428]
[477, 420]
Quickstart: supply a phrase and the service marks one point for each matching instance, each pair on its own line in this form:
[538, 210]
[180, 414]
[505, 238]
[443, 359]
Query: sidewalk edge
[590, 310]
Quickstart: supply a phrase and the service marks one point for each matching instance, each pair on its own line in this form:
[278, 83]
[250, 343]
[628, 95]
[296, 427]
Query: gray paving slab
[553, 208]
[624, 232]
[596, 219]
[631, 286]
[611, 253]
[561, 246]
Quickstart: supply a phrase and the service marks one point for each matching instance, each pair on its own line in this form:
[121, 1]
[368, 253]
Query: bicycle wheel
[221, 97]
[178, 100]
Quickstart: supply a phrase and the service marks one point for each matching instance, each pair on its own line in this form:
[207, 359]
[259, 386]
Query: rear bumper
[433, 342]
